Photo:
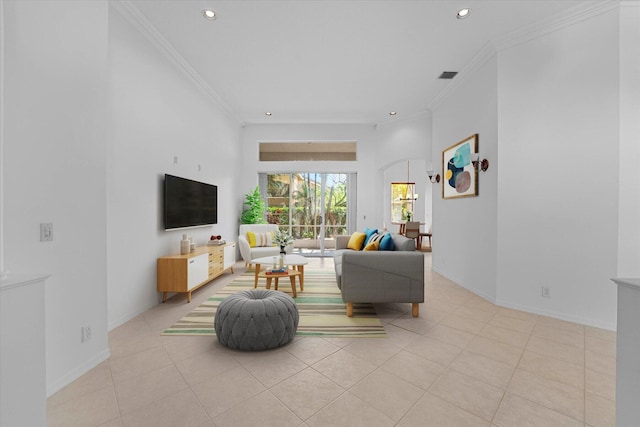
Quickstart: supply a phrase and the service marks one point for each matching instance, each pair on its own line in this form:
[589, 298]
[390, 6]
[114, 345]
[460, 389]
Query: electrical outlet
[546, 292]
[85, 333]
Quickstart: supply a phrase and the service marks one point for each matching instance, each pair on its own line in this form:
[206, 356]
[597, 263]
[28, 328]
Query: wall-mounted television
[189, 203]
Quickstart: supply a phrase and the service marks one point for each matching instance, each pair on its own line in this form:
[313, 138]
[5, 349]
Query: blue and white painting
[460, 177]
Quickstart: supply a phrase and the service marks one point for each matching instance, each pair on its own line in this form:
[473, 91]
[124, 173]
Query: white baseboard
[124, 319]
[534, 310]
[560, 316]
[77, 372]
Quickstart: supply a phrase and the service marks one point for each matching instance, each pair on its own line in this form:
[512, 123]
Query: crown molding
[557, 22]
[132, 14]
[525, 34]
[629, 3]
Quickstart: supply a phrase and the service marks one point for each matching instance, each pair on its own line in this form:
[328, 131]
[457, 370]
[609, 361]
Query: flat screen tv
[189, 203]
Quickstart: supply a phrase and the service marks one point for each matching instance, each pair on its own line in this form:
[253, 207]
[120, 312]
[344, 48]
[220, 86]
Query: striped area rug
[322, 311]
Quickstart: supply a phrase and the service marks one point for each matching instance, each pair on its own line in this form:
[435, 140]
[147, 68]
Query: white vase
[185, 245]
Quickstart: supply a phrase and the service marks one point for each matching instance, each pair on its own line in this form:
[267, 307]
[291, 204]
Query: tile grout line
[513, 373]
[113, 390]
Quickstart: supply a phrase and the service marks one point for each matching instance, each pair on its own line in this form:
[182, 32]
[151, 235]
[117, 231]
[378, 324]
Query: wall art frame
[460, 177]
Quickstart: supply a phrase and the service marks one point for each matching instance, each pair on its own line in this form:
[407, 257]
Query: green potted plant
[254, 213]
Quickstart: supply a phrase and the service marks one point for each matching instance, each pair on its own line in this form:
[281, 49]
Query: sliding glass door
[313, 207]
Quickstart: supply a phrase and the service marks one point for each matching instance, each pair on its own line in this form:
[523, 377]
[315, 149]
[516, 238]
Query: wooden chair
[412, 231]
[427, 234]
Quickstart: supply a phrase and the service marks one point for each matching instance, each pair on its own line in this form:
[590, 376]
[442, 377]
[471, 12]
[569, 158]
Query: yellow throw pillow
[356, 241]
[251, 237]
[372, 246]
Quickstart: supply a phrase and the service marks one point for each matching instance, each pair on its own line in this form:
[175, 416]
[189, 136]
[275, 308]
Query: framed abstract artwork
[460, 176]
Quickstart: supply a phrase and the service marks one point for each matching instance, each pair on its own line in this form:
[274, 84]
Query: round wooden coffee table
[291, 274]
[296, 261]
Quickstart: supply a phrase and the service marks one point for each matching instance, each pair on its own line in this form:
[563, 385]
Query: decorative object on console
[460, 175]
[185, 245]
[216, 240]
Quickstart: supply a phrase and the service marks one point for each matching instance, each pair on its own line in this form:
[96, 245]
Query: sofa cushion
[375, 237]
[403, 243]
[259, 239]
[369, 232]
[356, 241]
[386, 243]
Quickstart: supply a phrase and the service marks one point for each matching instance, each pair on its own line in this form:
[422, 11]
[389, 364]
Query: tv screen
[189, 203]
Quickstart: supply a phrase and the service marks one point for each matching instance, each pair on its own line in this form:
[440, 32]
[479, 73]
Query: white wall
[558, 154]
[93, 117]
[157, 114]
[629, 177]
[54, 170]
[465, 229]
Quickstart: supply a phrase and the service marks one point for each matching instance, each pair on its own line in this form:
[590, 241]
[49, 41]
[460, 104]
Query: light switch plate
[46, 232]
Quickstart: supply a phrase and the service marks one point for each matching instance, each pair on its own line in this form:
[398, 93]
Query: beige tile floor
[463, 362]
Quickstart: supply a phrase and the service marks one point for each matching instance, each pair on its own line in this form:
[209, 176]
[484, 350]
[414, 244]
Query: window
[403, 197]
[307, 151]
[313, 207]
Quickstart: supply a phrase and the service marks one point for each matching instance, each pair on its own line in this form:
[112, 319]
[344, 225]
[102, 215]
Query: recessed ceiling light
[267, 113]
[392, 113]
[463, 13]
[210, 14]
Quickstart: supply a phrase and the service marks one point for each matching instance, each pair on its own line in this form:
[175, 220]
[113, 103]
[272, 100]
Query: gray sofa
[380, 276]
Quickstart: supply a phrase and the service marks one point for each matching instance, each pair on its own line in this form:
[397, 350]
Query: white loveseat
[248, 253]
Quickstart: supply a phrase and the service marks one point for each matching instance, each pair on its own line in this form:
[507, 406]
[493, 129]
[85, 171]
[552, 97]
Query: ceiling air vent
[448, 75]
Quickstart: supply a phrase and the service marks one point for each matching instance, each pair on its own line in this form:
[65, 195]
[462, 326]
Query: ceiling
[342, 61]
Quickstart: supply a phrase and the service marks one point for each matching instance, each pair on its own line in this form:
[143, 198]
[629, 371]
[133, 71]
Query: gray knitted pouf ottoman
[257, 319]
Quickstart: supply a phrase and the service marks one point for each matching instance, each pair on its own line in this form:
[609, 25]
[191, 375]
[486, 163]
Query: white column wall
[558, 187]
[157, 114]
[465, 229]
[54, 166]
[629, 172]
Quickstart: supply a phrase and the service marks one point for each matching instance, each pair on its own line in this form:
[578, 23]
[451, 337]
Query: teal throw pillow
[368, 233]
[386, 244]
